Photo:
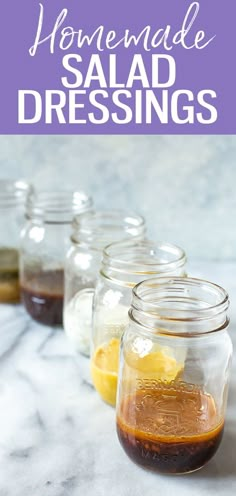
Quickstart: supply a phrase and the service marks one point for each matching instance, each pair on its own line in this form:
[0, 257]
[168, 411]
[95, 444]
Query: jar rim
[97, 221]
[13, 192]
[114, 252]
[198, 311]
[56, 205]
[101, 227]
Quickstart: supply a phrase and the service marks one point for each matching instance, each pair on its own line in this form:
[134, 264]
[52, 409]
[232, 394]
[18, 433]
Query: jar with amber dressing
[13, 196]
[174, 374]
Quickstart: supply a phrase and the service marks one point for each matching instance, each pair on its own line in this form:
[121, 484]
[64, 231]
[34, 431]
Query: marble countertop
[58, 438]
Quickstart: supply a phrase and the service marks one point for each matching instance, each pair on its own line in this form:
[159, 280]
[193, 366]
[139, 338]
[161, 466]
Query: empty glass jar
[123, 266]
[174, 374]
[45, 240]
[12, 208]
[92, 232]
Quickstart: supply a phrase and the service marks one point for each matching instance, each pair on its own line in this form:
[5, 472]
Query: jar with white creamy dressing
[92, 232]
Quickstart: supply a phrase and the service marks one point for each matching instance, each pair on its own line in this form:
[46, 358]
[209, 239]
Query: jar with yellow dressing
[123, 266]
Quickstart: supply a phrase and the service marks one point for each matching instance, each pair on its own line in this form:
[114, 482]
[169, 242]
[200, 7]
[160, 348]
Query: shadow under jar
[45, 240]
[92, 232]
[123, 266]
[174, 373]
[12, 208]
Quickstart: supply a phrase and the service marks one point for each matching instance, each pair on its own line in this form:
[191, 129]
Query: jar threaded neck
[133, 261]
[180, 306]
[13, 193]
[101, 228]
[57, 206]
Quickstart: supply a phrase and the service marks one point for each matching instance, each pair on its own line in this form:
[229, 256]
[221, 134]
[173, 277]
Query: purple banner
[127, 67]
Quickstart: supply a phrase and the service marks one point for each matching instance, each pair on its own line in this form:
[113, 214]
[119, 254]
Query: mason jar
[45, 240]
[174, 374]
[12, 205]
[92, 232]
[123, 266]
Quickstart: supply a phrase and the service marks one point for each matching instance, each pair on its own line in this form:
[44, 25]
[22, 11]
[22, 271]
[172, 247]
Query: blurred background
[183, 185]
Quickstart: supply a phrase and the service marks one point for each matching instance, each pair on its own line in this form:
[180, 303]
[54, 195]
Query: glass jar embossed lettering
[174, 373]
[45, 240]
[123, 266]
[12, 208]
[92, 232]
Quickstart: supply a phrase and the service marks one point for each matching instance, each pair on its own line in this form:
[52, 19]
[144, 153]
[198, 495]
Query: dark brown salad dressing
[42, 296]
[169, 431]
[9, 276]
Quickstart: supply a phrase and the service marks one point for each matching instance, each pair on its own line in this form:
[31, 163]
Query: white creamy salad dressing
[78, 321]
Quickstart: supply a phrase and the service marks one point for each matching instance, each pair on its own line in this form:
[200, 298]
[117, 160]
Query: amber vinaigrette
[9, 276]
[173, 374]
[169, 429]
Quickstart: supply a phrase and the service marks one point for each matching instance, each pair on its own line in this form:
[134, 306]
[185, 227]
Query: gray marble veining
[58, 438]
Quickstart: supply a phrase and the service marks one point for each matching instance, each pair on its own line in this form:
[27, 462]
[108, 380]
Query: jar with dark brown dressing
[42, 296]
[175, 431]
[45, 240]
[174, 373]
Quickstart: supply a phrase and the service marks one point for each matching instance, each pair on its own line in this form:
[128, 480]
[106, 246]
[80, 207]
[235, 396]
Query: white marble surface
[58, 438]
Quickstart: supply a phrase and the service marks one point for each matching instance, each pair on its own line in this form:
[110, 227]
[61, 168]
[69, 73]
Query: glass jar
[123, 266]
[92, 232]
[12, 205]
[174, 374]
[45, 240]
